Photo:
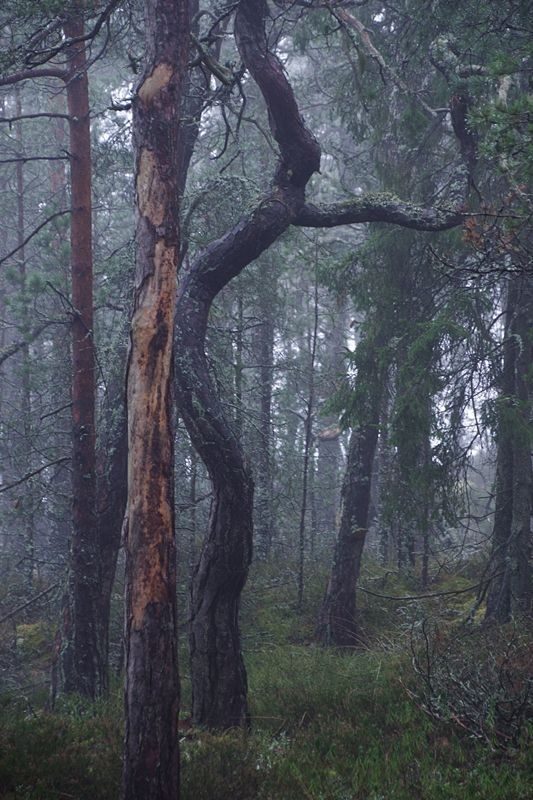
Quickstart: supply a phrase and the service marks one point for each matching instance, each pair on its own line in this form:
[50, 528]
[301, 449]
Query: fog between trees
[266, 304]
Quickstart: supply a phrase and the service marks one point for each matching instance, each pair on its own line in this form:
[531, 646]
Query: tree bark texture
[83, 663]
[151, 758]
[510, 588]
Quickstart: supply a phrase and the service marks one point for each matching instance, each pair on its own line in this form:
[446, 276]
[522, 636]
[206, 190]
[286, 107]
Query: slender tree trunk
[112, 493]
[511, 537]
[60, 536]
[239, 367]
[327, 482]
[83, 664]
[308, 434]
[27, 499]
[337, 624]
[521, 529]
[264, 468]
[193, 516]
[383, 467]
[427, 503]
[151, 757]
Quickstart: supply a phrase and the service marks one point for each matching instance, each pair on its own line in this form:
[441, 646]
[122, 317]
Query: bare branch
[429, 595]
[34, 74]
[11, 120]
[29, 603]
[49, 53]
[25, 159]
[29, 475]
[347, 19]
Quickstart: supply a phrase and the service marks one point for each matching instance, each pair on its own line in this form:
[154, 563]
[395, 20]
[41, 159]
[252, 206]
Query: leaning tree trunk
[214, 624]
[151, 756]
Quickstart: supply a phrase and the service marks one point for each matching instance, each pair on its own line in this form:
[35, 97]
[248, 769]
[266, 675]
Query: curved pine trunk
[218, 674]
[219, 687]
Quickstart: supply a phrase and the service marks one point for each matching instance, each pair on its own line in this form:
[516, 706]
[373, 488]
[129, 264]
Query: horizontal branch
[33, 74]
[42, 115]
[56, 411]
[379, 207]
[25, 159]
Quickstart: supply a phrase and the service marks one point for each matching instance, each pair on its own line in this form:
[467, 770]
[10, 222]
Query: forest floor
[362, 725]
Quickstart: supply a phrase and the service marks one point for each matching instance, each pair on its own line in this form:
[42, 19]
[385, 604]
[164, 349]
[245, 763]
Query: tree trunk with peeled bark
[151, 756]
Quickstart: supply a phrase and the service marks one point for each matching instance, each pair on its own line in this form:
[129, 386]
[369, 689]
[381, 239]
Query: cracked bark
[151, 758]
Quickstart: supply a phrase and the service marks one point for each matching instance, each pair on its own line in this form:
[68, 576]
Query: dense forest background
[266, 303]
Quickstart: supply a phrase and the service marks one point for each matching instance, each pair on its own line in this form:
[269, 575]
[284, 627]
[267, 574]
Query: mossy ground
[326, 725]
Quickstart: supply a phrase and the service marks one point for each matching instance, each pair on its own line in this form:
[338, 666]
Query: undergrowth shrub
[478, 677]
